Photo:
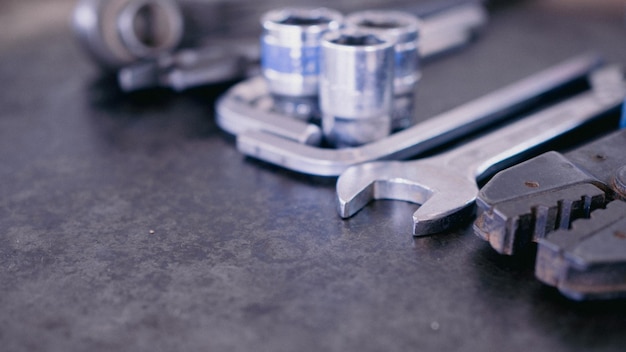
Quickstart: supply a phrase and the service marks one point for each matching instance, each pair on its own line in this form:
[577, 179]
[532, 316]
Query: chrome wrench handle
[475, 158]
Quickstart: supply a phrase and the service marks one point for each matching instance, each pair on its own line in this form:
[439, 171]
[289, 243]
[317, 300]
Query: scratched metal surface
[132, 223]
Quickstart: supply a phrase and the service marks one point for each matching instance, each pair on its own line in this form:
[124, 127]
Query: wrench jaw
[446, 199]
[445, 211]
[361, 184]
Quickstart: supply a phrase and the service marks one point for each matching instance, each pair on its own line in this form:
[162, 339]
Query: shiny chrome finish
[290, 47]
[356, 87]
[403, 29]
[185, 69]
[445, 185]
[443, 29]
[247, 107]
[620, 182]
[119, 32]
[426, 135]
[450, 29]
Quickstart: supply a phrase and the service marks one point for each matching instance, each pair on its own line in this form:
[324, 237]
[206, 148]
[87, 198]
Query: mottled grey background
[246, 256]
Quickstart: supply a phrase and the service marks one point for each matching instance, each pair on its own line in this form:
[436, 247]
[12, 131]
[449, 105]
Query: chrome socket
[403, 29]
[290, 50]
[356, 87]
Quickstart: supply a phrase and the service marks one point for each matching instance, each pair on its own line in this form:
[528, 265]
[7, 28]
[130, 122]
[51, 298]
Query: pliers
[538, 200]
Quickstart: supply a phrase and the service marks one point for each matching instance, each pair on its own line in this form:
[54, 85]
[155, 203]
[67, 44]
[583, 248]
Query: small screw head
[620, 234]
[600, 157]
[531, 184]
[620, 181]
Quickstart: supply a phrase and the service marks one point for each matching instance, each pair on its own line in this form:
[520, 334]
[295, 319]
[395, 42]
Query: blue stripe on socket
[622, 123]
[303, 60]
[406, 63]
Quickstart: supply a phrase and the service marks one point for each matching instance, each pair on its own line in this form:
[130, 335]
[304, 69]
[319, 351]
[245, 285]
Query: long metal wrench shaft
[445, 185]
[426, 135]
[450, 29]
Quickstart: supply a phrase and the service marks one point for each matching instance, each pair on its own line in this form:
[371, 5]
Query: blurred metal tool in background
[445, 30]
[238, 19]
[403, 29]
[117, 33]
[186, 68]
[290, 56]
[356, 87]
[140, 37]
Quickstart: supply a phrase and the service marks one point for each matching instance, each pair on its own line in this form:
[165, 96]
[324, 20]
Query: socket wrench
[290, 50]
[403, 29]
[356, 87]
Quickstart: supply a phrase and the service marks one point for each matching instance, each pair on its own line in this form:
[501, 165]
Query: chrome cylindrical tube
[403, 29]
[356, 87]
[117, 33]
[290, 46]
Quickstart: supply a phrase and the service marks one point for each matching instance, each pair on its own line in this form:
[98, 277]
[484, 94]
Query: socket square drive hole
[357, 40]
[296, 20]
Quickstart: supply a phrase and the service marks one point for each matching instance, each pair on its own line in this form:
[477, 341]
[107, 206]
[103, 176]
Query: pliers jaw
[573, 206]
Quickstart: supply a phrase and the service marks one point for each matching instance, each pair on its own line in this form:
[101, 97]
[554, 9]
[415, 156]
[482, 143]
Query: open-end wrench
[445, 185]
[255, 139]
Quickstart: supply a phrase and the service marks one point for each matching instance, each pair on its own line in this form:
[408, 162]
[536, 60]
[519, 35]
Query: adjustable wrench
[258, 137]
[445, 185]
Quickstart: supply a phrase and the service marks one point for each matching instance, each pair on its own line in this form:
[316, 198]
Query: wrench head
[446, 198]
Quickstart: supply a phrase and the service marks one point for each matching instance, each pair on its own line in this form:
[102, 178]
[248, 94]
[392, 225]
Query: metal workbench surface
[132, 223]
